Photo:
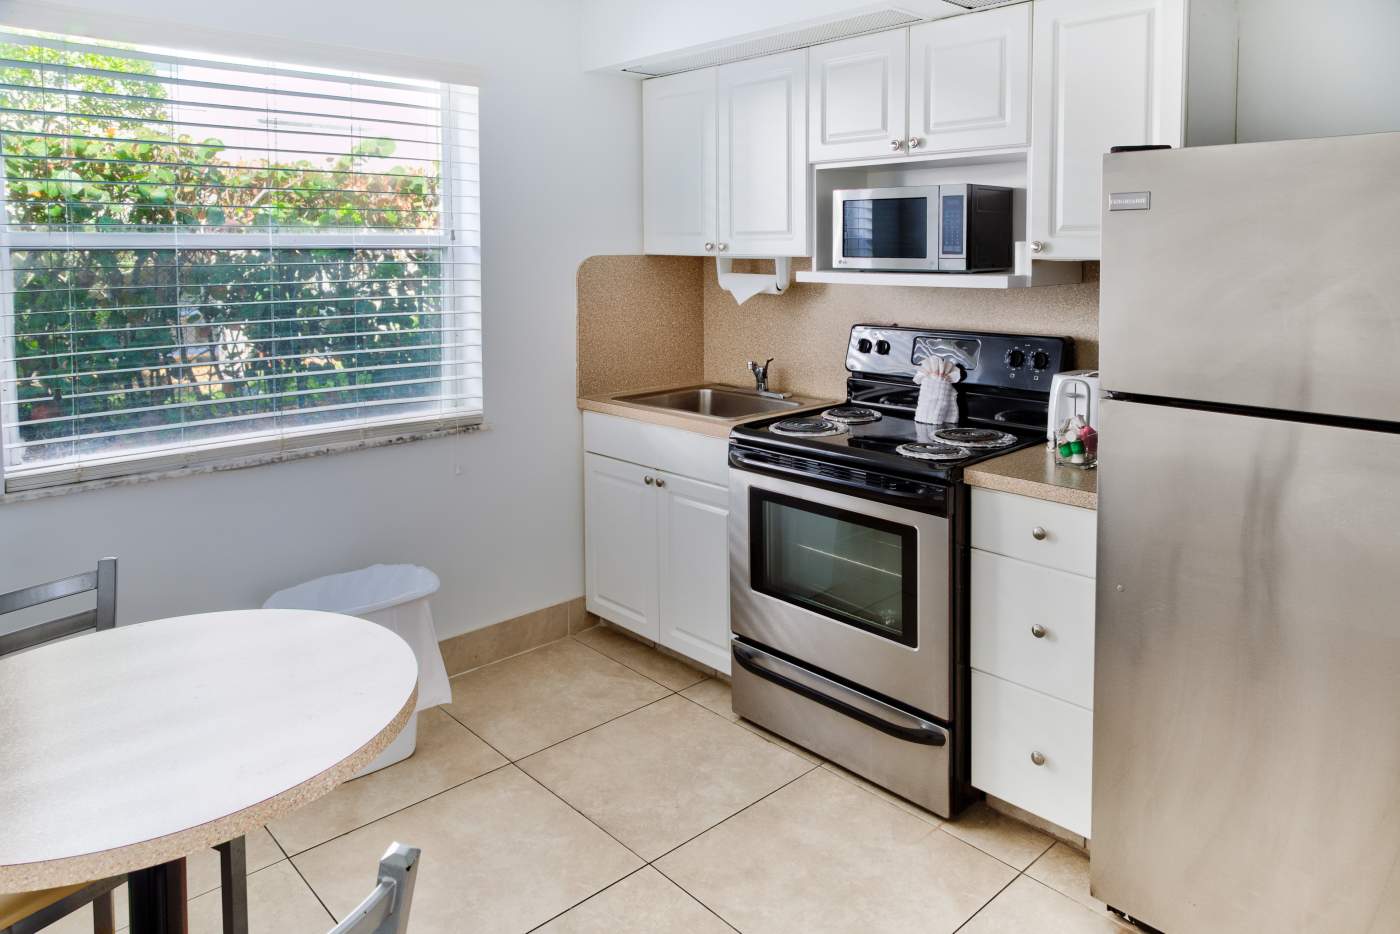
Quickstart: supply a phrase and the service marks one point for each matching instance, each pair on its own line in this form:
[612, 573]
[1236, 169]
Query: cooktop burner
[933, 451]
[810, 427]
[974, 438]
[851, 415]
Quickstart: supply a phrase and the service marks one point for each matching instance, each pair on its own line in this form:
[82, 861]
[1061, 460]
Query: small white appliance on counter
[1073, 392]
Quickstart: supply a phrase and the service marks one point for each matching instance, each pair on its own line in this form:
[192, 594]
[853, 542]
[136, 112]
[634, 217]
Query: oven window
[885, 228]
[852, 568]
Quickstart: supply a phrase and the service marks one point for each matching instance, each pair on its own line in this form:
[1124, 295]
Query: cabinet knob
[1038, 757]
[1039, 534]
[724, 247]
[1037, 246]
[660, 483]
[915, 142]
[709, 245]
[648, 481]
[896, 145]
[1039, 631]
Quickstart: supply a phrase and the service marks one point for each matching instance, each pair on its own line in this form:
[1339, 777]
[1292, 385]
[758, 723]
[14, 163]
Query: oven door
[852, 586]
[885, 228]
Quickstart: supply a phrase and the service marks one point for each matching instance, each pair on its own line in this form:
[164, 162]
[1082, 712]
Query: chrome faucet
[760, 378]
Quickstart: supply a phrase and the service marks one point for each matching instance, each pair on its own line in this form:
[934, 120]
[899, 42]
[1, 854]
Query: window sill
[411, 431]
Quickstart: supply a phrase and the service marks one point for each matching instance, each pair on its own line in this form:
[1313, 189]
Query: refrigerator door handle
[855, 704]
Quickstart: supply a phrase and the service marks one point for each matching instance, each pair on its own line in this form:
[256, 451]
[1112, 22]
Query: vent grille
[788, 41]
[980, 4]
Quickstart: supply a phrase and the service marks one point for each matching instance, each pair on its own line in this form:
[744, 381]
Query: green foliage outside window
[134, 338]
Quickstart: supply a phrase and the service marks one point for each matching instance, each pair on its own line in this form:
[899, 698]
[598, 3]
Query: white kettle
[1073, 392]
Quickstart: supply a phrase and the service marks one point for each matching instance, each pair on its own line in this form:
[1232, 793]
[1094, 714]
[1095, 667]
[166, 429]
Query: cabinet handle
[709, 245]
[724, 247]
[1039, 534]
[1039, 631]
[1037, 246]
[915, 142]
[896, 145]
[660, 483]
[648, 481]
[1038, 757]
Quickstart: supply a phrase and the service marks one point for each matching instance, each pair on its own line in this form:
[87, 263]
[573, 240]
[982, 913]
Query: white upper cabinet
[761, 144]
[969, 81]
[1107, 73]
[678, 163]
[858, 101]
[724, 154]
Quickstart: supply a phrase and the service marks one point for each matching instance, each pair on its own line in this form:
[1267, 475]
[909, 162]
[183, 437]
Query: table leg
[158, 899]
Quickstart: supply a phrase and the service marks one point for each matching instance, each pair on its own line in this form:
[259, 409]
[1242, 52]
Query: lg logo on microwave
[1130, 201]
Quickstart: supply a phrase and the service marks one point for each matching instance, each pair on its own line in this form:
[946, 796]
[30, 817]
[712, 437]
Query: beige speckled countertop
[610, 404]
[1032, 472]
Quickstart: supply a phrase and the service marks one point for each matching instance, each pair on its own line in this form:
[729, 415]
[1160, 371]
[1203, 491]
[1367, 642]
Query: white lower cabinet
[656, 535]
[1032, 593]
[1032, 750]
[620, 543]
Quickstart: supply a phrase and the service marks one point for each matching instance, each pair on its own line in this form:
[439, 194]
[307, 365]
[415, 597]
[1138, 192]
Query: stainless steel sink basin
[714, 401]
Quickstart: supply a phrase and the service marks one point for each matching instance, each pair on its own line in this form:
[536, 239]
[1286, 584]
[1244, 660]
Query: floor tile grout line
[589, 898]
[506, 658]
[575, 637]
[983, 906]
[312, 889]
[436, 794]
[722, 920]
[570, 806]
[595, 726]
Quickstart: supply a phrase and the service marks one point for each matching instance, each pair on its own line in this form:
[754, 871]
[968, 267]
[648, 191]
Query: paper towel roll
[745, 285]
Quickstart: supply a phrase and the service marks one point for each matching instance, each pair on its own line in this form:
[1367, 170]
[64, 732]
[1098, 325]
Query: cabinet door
[762, 151]
[695, 570]
[620, 543]
[970, 81]
[678, 163]
[1107, 73]
[857, 89]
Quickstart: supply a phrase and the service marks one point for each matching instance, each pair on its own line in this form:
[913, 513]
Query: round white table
[126, 750]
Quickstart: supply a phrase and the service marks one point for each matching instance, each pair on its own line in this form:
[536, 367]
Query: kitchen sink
[714, 401]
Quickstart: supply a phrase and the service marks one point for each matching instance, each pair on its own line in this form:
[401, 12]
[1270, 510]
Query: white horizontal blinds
[201, 258]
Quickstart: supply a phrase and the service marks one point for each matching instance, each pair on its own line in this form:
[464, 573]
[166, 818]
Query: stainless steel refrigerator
[1247, 675]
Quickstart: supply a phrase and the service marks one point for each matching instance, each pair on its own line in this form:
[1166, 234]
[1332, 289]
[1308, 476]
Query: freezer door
[1247, 674]
[1261, 274]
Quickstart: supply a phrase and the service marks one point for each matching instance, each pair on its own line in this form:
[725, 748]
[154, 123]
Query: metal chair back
[102, 616]
[385, 911]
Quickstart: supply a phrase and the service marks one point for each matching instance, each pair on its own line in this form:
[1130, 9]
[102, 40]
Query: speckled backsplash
[640, 323]
[805, 330]
[653, 321]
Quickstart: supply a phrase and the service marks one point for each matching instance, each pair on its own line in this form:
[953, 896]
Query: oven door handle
[855, 704]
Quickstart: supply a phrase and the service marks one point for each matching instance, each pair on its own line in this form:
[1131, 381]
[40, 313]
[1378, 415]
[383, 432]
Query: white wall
[560, 182]
[1318, 69]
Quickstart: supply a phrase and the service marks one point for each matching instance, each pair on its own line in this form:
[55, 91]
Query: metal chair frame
[103, 616]
[385, 910]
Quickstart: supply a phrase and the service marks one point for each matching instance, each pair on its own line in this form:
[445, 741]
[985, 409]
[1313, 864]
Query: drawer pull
[1039, 631]
[1039, 534]
[1038, 757]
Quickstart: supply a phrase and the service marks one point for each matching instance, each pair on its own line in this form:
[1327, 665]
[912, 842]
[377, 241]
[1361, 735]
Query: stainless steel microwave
[925, 228]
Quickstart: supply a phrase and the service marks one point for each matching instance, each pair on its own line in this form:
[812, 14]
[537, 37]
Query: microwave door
[893, 229]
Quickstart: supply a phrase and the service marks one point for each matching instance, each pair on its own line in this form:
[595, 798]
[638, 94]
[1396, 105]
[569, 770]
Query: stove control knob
[1015, 358]
[882, 347]
[1040, 359]
[864, 345]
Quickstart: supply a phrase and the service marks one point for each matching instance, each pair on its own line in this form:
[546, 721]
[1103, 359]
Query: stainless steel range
[848, 555]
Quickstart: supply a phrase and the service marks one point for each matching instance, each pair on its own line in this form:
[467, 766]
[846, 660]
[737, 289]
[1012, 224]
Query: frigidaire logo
[1130, 201]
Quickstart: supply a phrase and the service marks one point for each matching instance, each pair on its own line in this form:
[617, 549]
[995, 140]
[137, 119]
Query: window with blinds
[205, 259]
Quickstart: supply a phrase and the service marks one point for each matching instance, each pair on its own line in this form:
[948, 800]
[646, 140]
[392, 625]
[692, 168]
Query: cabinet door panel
[678, 163]
[1107, 73]
[694, 599]
[969, 82]
[857, 89]
[620, 543]
[762, 146]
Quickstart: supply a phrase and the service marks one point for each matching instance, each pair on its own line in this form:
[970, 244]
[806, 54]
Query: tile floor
[597, 785]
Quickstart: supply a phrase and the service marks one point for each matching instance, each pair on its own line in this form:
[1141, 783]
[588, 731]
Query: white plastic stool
[396, 597]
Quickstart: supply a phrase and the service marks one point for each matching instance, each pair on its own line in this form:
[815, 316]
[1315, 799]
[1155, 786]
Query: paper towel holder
[775, 283]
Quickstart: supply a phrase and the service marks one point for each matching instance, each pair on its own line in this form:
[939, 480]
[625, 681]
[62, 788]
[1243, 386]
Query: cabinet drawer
[1050, 534]
[1009, 599]
[1009, 724]
[675, 450]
